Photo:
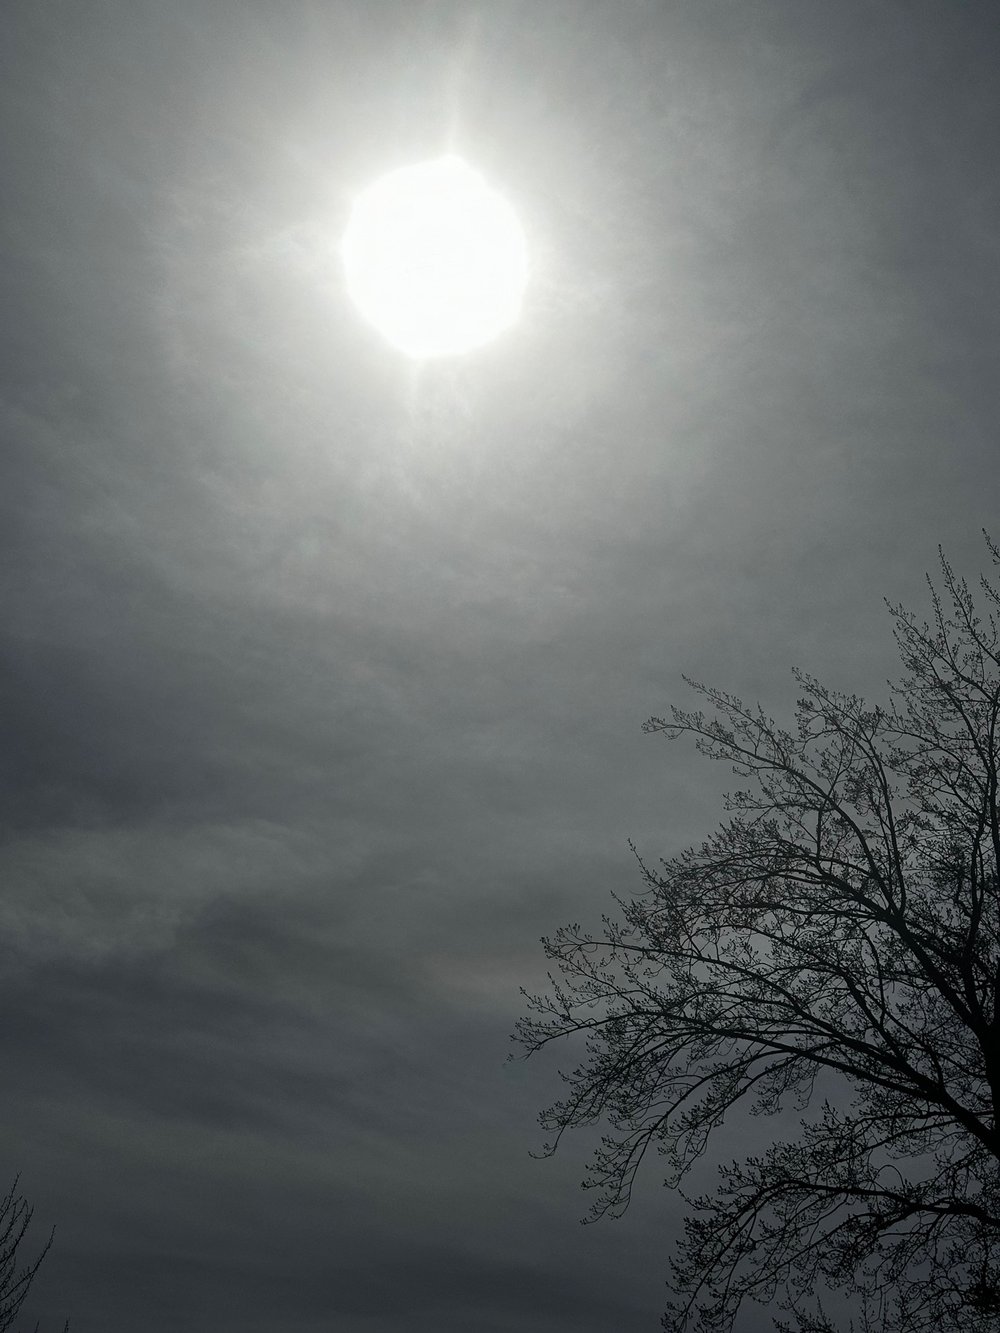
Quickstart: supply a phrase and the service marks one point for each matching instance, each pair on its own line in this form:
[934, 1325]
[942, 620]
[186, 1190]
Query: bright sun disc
[435, 258]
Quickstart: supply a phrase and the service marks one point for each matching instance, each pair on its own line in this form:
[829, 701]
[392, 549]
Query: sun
[435, 258]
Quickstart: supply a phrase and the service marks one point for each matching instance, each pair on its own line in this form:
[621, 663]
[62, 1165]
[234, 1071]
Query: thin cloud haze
[322, 680]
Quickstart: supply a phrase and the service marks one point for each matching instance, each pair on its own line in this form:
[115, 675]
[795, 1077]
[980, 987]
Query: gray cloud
[321, 679]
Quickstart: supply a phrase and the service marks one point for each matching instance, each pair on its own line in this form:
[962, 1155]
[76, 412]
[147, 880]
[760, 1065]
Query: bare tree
[839, 935]
[15, 1283]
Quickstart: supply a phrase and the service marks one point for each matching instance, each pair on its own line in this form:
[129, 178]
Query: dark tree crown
[842, 925]
[15, 1279]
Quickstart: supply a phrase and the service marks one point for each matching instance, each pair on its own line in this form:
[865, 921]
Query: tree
[15, 1218]
[834, 946]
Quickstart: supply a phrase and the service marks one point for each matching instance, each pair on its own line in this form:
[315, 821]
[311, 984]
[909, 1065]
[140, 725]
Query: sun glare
[435, 259]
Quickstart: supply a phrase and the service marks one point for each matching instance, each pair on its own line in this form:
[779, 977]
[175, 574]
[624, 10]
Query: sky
[322, 672]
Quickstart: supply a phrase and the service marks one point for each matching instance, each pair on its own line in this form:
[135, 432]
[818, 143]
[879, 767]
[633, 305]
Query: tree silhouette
[839, 935]
[15, 1283]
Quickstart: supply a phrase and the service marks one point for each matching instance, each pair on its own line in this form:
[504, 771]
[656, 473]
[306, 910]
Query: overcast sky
[322, 677]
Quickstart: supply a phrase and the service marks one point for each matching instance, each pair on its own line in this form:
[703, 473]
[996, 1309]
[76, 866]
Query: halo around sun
[435, 258]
